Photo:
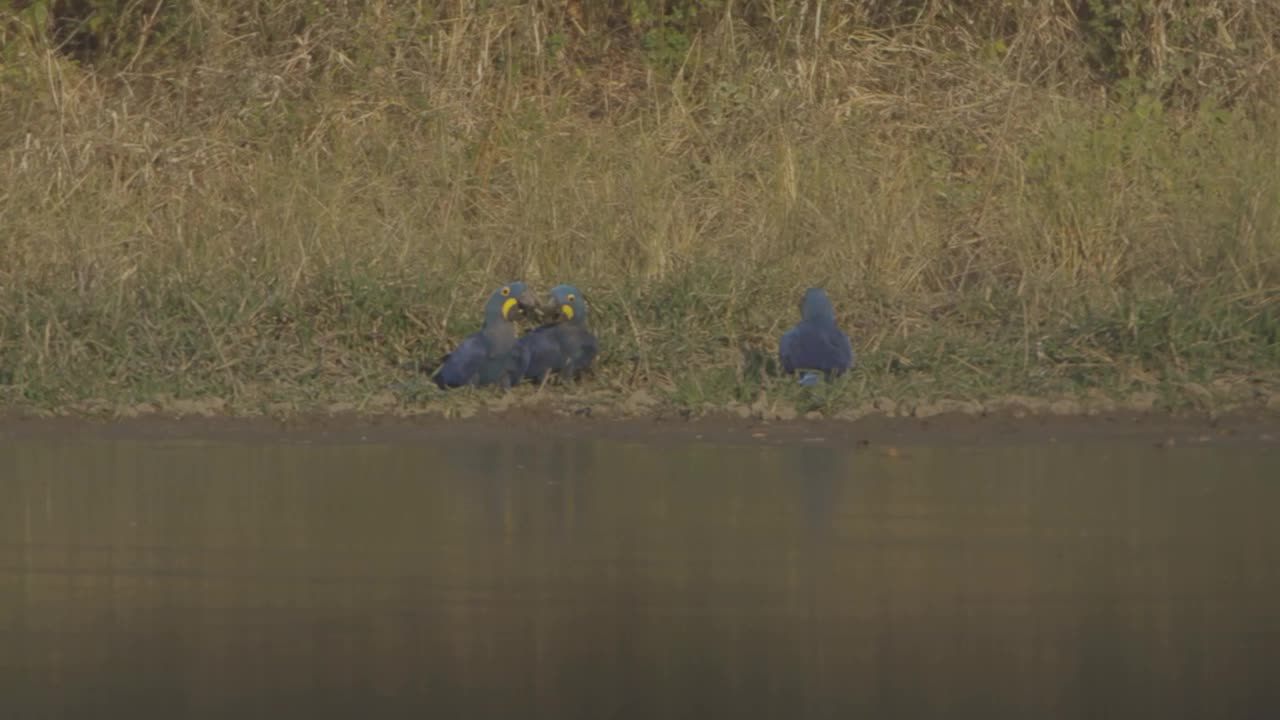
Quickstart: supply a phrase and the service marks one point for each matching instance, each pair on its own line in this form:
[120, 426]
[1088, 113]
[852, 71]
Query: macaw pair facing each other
[495, 356]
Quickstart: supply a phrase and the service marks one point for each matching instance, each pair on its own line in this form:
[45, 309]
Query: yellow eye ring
[506, 291]
[572, 297]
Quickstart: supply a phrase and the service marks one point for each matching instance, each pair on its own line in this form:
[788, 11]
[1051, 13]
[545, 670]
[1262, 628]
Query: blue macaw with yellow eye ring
[564, 345]
[481, 358]
[815, 345]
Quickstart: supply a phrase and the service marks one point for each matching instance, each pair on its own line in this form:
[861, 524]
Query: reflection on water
[596, 580]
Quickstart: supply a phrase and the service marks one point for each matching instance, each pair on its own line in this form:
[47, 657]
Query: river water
[554, 577]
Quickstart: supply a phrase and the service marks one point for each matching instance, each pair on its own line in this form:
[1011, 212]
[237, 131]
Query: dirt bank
[999, 427]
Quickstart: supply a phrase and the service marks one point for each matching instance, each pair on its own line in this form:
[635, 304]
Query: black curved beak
[554, 312]
[528, 305]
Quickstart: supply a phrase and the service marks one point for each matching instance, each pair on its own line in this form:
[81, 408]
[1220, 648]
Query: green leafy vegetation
[285, 204]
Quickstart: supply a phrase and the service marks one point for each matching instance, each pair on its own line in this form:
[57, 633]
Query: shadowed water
[590, 579]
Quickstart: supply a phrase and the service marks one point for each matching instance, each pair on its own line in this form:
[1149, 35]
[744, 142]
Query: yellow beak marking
[507, 305]
[567, 311]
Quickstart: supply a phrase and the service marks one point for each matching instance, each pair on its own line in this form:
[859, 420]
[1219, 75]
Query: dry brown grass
[279, 205]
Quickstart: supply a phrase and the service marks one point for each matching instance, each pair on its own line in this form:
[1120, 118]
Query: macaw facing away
[482, 357]
[815, 345]
[564, 346]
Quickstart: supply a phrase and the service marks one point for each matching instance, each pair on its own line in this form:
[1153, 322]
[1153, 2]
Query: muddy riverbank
[1009, 425]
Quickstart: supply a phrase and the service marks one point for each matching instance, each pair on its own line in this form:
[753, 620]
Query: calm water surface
[593, 579]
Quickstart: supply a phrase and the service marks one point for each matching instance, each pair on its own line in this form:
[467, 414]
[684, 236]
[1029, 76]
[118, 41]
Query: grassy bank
[280, 205]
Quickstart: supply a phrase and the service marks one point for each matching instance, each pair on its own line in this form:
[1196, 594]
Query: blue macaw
[564, 345]
[815, 345]
[481, 359]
